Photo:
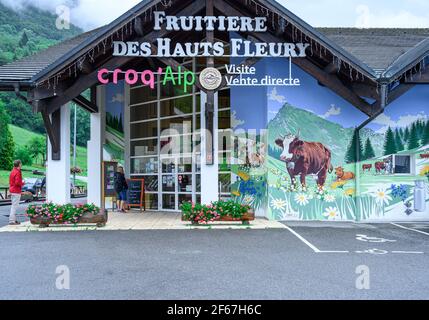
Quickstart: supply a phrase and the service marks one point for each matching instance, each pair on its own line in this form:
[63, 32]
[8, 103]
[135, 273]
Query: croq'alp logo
[148, 77]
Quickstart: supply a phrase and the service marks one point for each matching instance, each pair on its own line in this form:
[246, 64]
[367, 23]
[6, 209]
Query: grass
[22, 137]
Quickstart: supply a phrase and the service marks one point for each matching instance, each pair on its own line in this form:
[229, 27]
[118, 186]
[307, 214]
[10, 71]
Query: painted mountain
[316, 129]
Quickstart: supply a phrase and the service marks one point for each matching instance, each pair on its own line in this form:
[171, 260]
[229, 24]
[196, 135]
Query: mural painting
[115, 107]
[317, 167]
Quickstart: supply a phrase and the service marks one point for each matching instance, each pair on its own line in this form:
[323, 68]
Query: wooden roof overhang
[332, 66]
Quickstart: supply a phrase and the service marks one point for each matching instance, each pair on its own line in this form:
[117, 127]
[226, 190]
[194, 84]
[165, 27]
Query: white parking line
[410, 229]
[308, 243]
[408, 252]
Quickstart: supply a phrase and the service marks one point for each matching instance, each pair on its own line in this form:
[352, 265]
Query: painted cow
[304, 158]
[380, 166]
[366, 167]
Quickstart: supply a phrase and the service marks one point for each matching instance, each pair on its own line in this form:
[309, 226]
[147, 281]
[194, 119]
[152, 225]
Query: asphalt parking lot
[306, 260]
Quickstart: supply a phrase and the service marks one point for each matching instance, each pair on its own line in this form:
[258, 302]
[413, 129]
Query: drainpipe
[383, 103]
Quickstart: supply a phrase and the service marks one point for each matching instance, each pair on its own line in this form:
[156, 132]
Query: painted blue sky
[309, 96]
[115, 98]
[402, 112]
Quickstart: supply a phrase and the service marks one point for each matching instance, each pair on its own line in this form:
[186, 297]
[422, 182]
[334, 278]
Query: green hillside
[317, 129]
[23, 33]
[22, 137]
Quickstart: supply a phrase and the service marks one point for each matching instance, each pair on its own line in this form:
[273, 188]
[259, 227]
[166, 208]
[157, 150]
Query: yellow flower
[243, 175]
[338, 184]
[424, 171]
[349, 192]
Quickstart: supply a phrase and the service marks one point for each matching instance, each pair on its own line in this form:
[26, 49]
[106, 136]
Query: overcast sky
[89, 14]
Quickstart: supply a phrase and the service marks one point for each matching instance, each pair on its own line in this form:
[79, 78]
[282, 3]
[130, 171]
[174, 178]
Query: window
[402, 164]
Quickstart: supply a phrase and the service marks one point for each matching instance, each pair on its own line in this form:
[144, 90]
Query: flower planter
[100, 219]
[245, 219]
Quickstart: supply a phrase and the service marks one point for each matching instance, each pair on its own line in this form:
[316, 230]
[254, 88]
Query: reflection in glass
[144, 148]
[185, 182]
[144, 130]
[169, 201]
[151, 201]
[168, 183]
[144, 165]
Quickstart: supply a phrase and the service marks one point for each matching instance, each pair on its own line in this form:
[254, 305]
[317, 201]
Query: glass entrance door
[177, 182]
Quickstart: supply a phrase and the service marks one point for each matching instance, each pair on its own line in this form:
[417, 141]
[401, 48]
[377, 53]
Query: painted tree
[406, 134]
[389, 143]
[7, 146]
[425, 139]
[354, 146]
[369, 152]
[398, 140]
[413, 141]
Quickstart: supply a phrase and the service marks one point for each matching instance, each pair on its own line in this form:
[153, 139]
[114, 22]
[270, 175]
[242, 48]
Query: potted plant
[216, 211]
[49, 213]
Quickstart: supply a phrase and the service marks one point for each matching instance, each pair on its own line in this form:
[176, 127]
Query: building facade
[301, 123]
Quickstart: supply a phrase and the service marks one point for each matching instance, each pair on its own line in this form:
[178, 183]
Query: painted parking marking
[365, 238]
[309, 244]
[376, 251]
[408, 252]
[410, 229]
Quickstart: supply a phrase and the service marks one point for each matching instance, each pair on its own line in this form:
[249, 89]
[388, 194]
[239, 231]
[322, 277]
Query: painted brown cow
[366, 167]
[380, 166]
[304, 158]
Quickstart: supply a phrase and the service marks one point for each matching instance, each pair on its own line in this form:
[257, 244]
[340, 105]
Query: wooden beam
[138, 27]
[364, 90]
[335, 84]
[53, 130]
[86, 104]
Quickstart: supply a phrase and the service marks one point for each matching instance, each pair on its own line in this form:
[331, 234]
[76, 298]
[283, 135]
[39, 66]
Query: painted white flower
[301, 199]
[278, 204]
[330, 198]
[331, 213]
[382, 196]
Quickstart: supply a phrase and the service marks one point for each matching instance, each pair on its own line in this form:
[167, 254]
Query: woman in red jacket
[15, 188]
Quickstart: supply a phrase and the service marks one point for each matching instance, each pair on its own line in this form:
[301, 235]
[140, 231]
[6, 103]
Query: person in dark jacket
[121, 189]
[15, 188]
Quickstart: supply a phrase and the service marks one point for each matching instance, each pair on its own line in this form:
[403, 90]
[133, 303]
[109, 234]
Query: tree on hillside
[425, 139]
[398, 141]
[389, 142]
[37, 148]
[369, 152]
[7, 146]
[413, 141]
[354, 147]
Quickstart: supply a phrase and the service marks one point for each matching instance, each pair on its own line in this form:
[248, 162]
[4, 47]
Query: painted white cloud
[386, 121]
[274, 96]
[119, 97]
[333, 111]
